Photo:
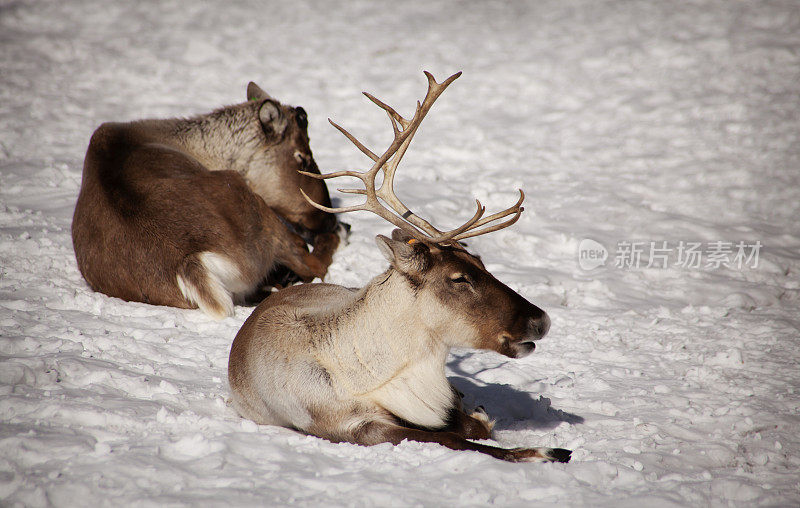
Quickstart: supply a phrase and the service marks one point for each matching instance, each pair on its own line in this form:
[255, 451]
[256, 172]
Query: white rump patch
[223, 279]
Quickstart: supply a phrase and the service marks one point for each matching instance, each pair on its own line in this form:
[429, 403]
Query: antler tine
[329, 209]
[489, 229]
[448, 236]
[369, 153]
[393, 115]
[318, 176]
[504, 213]
[473, 230]
[470, 228]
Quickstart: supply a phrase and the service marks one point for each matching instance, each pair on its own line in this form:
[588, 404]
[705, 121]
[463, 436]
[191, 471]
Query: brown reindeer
[367, 365]
[197, 212]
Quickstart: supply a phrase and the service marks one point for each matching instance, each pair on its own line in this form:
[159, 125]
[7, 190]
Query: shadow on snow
[510, 407]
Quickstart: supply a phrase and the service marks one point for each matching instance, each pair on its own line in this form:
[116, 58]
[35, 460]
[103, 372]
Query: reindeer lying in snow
[197, 212]
[367, 366]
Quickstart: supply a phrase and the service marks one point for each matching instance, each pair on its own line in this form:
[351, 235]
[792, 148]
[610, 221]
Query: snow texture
[623, 122]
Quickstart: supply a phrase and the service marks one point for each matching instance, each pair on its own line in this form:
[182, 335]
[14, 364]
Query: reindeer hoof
[538, 455]
[482, 416]
[343, 232]
[559, 454]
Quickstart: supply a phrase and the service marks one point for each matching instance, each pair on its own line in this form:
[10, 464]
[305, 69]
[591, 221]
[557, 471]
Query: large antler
[402, 217]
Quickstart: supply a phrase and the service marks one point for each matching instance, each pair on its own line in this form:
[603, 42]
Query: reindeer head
[285, 133]
[460, 300]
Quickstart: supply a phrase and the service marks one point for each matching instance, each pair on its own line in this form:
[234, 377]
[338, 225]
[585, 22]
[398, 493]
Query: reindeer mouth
[523, 348]
[517, 347]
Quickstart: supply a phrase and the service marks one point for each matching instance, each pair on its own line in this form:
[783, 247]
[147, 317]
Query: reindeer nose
[539, 326]
[535, 328]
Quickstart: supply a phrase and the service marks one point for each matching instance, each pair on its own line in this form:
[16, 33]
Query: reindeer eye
[301, 159]
[459, 278]
[302, 118]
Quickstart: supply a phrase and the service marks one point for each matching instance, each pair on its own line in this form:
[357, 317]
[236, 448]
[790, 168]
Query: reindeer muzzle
[536, 328]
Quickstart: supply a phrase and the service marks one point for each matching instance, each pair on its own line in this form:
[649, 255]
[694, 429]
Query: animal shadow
[512, 409]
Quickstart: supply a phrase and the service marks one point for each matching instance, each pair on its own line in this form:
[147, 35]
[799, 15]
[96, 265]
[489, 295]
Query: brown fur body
[197, 212]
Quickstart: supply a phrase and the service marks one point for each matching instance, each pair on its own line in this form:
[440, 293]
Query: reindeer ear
[405, 257]
[255, 93]
[272, 119]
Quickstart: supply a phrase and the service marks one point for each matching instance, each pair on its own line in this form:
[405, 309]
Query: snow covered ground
[623, 121]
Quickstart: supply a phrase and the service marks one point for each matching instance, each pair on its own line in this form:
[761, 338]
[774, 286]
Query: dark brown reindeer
[197, 212]
[367, 365]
